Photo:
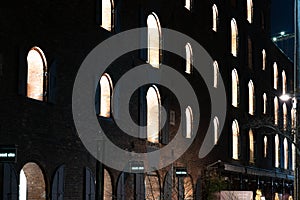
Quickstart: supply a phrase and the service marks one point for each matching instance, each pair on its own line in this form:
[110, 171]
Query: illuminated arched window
[251, 97]
[277, 153]
[264, 58]
[153, 114]
[37, 74]
[189, 58]
[215, 18]
[23, 186]
[275, 76]
[276, 110]
[235, 88]
[107, 14]
[251, 146]
[283, 82]
[265, 146]
[105, 95]
[235, 140]
[286, 153]
[249, 11]
[294, 117]
[216, 129]
[234, 38]
[154, 40]
[189, 121]
[216, 74]
[265, 103]
[284, 116]
[188, 4]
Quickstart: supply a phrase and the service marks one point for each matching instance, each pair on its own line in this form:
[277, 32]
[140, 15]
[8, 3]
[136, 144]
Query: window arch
[283, 82]
[265, 146]
[188, 4]
[277, 153]
[37, 74]
[189, 58]
[265, 103]
[153, 114]
[276, 110]
[235, 88]
[216, 74]
[284, 108]
[216, 129]
[105, 95]
[215, 18]
[234, 38]
[249, 11]
[189, 122]
[251, 147]
[275, 75]
[251, 98]
[286, 153]
[154, 40]
[235, 140]
[264, 58]
[107, 14]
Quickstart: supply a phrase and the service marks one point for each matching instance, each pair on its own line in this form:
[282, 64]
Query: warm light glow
[107, 6]
[284, 116]
[283, 82]
[23, 186]
[235, 88]
[105, 95]
[235, 140]
[188, 4]
[264, 103]
[189, 122]
[154, 40]
[107, 192]
[265, 146]
[37, 66]
[189, 58]
[284, 97]
[216, 74]
[277, 148]
[251, 97]
[276, 109]
[286, 153]
[234, 38]
[293, 156]
[264, 58]
[249, 11]
[275, 77]
[216, 130]
[153, 114]
[294, 118]
[251, 146]
[215, 18]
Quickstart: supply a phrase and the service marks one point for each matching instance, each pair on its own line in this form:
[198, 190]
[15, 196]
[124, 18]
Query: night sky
[282, 14]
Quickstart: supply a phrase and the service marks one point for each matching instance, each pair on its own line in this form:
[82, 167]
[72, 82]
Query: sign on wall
[8, 154]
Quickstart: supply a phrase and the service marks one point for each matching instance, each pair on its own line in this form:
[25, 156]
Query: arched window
[264, 58]
[286, 153]
[188, 4]
[189, 58]
[153, 114]
[265, 146]
[234, 38]
[249, 53]
[107, 191]
[265, 103]
[283, 82]
[275, 76]
[189, 122]
[235, 88]
[216, 74]
[276, 110]
[216, 129]
[251, 146]
[251, 97]
[284, 116]
[294, 117]
[23, 186]
[37, 74]
[107, 14]
[215, 18]
[105, 95]
[277, 151]
[154, 40]
[235, 140]
[249, 11]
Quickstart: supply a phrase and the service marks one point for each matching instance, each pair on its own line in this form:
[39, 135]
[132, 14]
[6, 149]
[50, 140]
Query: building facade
[45, 45]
